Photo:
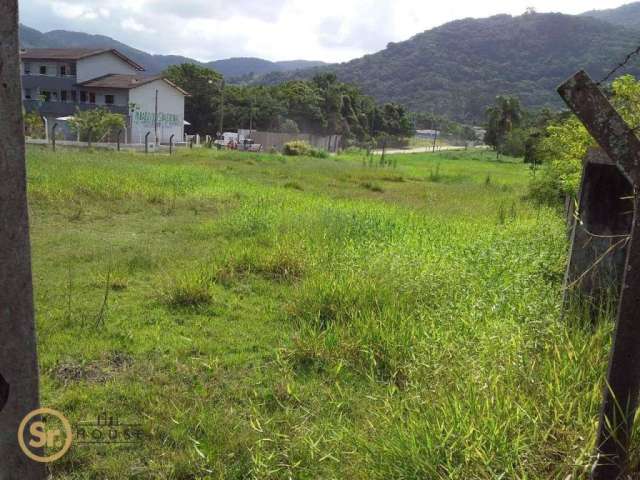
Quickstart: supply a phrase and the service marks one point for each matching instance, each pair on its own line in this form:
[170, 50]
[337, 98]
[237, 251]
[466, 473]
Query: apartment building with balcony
[58, 82]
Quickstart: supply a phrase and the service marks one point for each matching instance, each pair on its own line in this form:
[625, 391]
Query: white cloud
[130, 24]
[330, 30]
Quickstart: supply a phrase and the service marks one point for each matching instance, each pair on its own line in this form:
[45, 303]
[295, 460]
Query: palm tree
[503, 117]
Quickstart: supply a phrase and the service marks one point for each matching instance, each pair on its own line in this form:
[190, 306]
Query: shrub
[566, 142]
[296, 148]
[318, 153]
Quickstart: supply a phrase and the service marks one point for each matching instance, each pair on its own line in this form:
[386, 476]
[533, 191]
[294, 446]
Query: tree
[95, 124]
[502, 118]
[33, 125]
[205, 86]
[18, 356]
[565, 142]
[322, 105]
[289, 126]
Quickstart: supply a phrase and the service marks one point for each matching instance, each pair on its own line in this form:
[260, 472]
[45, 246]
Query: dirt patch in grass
[97, 371]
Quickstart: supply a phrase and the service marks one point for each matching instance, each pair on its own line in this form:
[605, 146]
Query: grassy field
[275, 318]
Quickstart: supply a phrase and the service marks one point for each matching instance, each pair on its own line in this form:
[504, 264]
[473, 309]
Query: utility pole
[251, 117]
[435, 137]
[18, 355]
[155, 118]
[222, 108]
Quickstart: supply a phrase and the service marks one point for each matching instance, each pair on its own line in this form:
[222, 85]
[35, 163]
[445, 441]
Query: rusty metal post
[146, 142]
[171, 144]
[18, 357]
[53, 136]
[620, 397]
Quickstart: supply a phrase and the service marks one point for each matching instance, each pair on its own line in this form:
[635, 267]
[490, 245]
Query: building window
[83, 97]
[108, 99]
[46, 95]
[63, 70]
[54, 96]
[74, 96]
[63, 96]
[43, 69]
[27, 69]
[27, 94]
[72, 69]
[92, 97]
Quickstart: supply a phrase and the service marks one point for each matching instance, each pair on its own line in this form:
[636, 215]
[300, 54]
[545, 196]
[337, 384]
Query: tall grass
[335, 331]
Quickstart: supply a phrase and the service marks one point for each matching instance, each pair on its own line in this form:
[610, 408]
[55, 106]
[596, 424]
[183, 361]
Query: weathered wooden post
[620, 397]
[146, 142]
[171, 144]
[53, 136]
[18, 358]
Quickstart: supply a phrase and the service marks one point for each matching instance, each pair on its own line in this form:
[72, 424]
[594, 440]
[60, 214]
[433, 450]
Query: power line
[620, 65]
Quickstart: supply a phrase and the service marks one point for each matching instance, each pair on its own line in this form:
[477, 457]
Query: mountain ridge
[457, 69]
[627, 15]
[230, 68]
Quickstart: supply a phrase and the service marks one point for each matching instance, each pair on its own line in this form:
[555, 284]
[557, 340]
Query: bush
[297, 148]
[316, 153]
[515, 143]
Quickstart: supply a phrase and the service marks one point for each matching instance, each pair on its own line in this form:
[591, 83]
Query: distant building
[57, 82]
[428, 134]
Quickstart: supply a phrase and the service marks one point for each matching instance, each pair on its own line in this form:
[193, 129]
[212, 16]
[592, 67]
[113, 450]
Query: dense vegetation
[561, 147]
[458, 69]
[321, 105]
[515, 131]
[627, 15]
[287, 317]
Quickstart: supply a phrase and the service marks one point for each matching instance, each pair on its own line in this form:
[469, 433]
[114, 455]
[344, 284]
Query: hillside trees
[322, 105]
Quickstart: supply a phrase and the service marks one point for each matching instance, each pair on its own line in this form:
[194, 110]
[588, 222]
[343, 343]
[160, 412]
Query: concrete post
[18, 356]
[620, 396]
[53, 136]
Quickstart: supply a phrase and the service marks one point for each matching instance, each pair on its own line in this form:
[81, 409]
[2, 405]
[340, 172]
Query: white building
[58, 82]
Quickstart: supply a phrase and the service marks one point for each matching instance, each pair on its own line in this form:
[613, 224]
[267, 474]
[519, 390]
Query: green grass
[272, 317]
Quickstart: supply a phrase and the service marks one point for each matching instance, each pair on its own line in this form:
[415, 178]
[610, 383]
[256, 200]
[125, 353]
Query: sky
[326, 30]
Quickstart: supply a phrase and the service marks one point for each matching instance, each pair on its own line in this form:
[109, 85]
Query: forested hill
[458, 69]
[230, 68]
[627, 15]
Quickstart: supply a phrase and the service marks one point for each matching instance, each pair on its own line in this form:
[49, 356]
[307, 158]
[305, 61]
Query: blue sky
[328, 30]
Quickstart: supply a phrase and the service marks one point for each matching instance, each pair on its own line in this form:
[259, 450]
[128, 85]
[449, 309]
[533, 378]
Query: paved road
[391, 151]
